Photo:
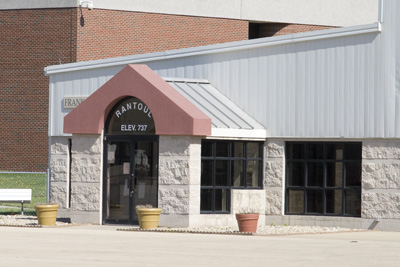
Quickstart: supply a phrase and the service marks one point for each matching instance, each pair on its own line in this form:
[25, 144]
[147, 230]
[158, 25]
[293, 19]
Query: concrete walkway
[104, 246]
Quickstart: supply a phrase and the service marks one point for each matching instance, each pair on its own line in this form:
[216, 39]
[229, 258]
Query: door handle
[132, 185]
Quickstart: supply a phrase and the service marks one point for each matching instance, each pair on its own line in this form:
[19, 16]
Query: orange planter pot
[247, 222]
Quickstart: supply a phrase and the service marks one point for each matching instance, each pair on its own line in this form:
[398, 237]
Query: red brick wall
[115, 33]
[29, 41]
[33, 39]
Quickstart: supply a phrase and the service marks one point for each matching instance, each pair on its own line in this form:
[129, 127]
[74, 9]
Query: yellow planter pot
[46, 213]
[148, 217]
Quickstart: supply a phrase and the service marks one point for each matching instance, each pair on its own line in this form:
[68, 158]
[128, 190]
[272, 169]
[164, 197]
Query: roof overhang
[228, 120]
[215, 48]
[173, 114]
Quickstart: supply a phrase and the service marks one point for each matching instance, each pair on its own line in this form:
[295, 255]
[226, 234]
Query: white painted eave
[238, 133]
[217, 48]
[311, 12]
[35, 4]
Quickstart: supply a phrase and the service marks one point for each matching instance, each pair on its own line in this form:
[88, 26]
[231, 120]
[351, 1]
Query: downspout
[380, 13]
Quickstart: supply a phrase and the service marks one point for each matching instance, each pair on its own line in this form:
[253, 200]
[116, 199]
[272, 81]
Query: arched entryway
[160, 111]
[130, 161]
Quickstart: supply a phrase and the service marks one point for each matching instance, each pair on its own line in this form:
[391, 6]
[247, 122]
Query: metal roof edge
[185, 80]
[216, 48]
[239, 133]
[37, 4]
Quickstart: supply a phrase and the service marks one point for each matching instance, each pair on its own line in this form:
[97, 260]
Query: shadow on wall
[373, 224]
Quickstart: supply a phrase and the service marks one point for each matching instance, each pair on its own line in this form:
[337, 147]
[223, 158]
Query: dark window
[323, 178]
[226, 165]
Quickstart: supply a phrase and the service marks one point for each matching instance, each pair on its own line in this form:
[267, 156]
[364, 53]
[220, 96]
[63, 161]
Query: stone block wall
[85, 171]
[179, 180]
[380, 179]
[274, 176]
[59, 169]
[380, 197]
[248, 201]
[179, 184]
[268, 201]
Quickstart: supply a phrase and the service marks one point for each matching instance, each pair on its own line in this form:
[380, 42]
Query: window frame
[230, 160]
[306, 188]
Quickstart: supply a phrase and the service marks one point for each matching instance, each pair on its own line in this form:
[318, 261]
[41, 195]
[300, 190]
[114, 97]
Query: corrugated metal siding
[335, 87]
[223, 112]
[310, 89]
[396, 33]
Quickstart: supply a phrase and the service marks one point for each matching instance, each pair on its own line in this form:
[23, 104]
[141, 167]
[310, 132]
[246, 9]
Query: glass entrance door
[145, 191]
[131, 177]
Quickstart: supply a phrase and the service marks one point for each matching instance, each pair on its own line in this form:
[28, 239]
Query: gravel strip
[261, 230]
[31, 221]
[23, 221]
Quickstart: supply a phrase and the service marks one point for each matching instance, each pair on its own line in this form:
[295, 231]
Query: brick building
[32, 39]
[302, 129]
[35, 35]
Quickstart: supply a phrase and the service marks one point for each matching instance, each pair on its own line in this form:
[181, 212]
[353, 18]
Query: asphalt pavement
[95, 245]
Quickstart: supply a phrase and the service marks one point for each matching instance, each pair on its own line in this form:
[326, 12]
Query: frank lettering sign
[71, 102]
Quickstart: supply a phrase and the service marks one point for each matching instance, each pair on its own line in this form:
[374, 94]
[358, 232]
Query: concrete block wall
[179, 188]
[179, 180]
[242, 200]
[274, 176]
[85, 170]
[248, 201]
[59, 171]
[86, 174]
[179, 185]
[380, 199]
[381, 180]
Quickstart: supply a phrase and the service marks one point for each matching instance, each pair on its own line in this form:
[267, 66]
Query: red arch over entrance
[173, 114]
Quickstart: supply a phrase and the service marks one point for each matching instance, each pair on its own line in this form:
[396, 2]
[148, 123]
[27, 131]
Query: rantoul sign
[131, 116]
[73, 101]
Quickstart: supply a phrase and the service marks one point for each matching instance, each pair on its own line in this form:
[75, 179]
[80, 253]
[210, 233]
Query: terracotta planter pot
[46, 213]
[247, 222]
[148, 217]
